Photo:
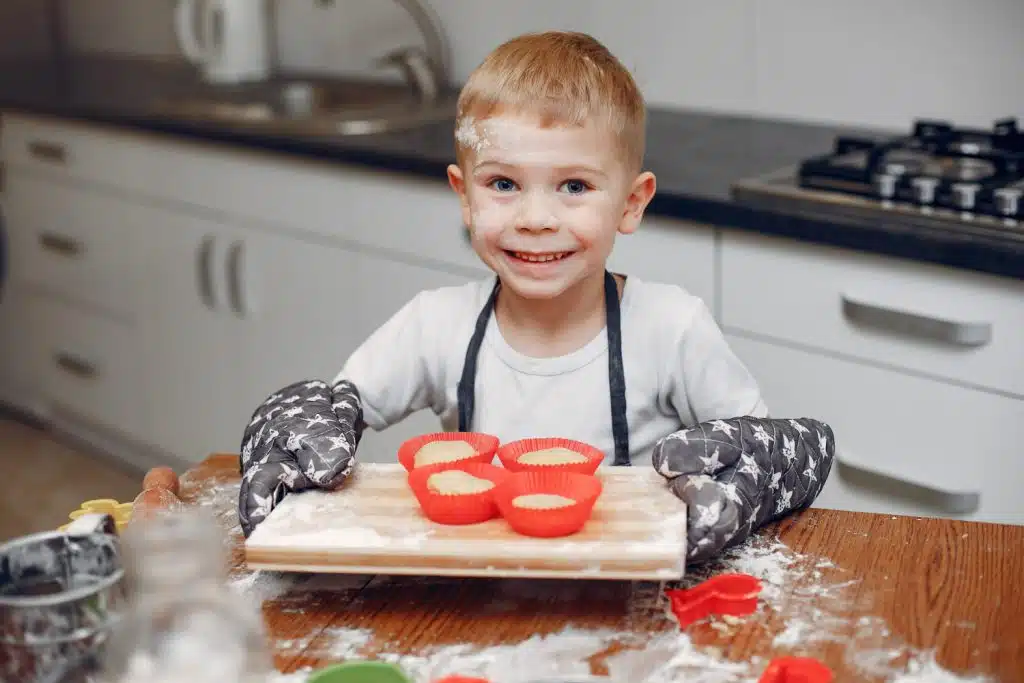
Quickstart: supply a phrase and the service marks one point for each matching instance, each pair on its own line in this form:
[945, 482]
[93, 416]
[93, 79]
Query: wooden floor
[43, 478]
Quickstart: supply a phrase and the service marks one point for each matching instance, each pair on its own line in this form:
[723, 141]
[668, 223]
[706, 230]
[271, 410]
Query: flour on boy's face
[545, 203]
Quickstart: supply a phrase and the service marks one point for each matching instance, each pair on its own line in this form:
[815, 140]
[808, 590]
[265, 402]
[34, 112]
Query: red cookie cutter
[732, 594]
[796, 670]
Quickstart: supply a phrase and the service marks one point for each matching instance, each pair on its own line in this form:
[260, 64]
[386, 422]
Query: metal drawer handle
[61, 244]
[52, 152]
[78, 367]
[236, 287]
[960, 333]
[203, 274]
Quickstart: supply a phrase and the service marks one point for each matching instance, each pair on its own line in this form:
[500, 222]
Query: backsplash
[868, 63]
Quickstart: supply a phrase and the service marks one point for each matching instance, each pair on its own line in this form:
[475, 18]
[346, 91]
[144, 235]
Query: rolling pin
[160, 489]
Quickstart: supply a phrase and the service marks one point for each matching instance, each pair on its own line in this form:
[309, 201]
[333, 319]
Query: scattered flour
[219, 498]
[810, 599]
[806, 601]
[926, 670]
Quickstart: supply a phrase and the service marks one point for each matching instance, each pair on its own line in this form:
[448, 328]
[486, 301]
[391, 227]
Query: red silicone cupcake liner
[510, 453]
[583, 488]
[484, 444]
[454, 508]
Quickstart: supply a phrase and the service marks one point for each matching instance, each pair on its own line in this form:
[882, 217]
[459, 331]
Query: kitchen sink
[311, 107]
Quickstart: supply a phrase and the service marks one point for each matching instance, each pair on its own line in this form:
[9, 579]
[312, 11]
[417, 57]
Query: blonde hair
[563, 78]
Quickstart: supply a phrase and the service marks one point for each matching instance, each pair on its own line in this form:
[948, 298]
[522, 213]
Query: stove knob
[1008, 200]
[966, 194]
[885, 185]
[924, 189]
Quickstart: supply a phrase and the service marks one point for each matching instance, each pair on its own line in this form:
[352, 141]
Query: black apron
[616, 374]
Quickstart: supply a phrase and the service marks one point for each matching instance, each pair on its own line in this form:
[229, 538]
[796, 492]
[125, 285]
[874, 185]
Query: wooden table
[864, 593]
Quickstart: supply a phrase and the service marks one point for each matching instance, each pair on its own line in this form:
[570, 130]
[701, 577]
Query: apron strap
[616, 372]
[467, 383]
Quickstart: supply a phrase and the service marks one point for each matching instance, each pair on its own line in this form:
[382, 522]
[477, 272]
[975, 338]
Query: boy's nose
[537, 213]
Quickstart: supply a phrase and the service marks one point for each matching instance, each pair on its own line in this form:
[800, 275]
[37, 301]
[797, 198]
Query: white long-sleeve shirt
[678, 368]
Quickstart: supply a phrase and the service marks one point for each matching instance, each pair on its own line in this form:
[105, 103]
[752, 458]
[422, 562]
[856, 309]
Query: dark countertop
[695, 156]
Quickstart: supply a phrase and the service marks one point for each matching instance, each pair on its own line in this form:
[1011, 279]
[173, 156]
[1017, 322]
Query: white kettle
[227, 39]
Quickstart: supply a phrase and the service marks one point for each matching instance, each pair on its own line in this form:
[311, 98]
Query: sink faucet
[428, 72]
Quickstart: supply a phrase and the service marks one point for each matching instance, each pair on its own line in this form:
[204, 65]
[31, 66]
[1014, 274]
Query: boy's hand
[737, 475]
[304, 436]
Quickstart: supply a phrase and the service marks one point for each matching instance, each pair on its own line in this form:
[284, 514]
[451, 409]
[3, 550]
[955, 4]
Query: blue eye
[503, 185]
[575, 186]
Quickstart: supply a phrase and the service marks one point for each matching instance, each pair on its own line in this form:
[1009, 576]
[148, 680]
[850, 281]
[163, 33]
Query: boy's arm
[736, 468]
[305, 435]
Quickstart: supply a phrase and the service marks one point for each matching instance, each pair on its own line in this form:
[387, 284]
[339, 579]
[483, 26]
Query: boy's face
[544, 205]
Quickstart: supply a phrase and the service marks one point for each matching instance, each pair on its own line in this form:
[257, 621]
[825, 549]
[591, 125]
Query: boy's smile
[544, 203]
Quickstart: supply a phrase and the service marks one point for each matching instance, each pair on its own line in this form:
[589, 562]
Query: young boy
[550, 145]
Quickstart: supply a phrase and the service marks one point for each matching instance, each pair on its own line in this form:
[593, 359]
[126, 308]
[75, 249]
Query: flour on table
[816, 603]
[927, 670]
[220, 498]
[811, 599]
[805, 601]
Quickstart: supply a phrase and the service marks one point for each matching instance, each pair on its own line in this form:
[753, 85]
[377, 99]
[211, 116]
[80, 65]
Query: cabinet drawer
[88, 365]
[960, 326]
[39, 144]
[672, 252]
[79, 244]
[905, 445]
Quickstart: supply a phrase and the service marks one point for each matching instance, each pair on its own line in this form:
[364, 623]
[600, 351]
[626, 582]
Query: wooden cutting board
[373, 525]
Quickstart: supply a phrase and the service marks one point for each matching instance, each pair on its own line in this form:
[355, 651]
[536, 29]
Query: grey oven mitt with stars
[302, 437]
[739, 474]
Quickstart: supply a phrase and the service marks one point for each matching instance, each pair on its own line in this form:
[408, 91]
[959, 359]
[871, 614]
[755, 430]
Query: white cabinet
[75, 243]
[905, 444]
[237, 314]
[918, 369]
[298, 305]
[89, 365]
[75, 296]
[192, 343]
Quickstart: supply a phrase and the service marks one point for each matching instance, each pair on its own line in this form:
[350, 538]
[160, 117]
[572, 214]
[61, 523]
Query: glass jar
[182, 622]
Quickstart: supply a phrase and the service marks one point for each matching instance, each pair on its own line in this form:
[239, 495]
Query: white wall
[862, 62]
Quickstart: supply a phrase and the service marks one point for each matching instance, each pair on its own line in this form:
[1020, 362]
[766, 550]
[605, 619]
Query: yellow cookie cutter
[121, 512]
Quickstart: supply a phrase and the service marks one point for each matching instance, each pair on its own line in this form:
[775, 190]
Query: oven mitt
[304, 436]
[739, 474]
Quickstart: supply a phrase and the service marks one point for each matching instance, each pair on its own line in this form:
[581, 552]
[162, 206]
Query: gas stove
[941, 177]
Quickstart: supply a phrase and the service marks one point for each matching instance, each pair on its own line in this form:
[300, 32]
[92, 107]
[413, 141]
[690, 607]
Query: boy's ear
[458, 183]
[640, 195]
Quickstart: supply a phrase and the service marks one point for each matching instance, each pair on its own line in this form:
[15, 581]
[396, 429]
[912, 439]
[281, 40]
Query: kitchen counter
[870, 595]
[696, 156]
